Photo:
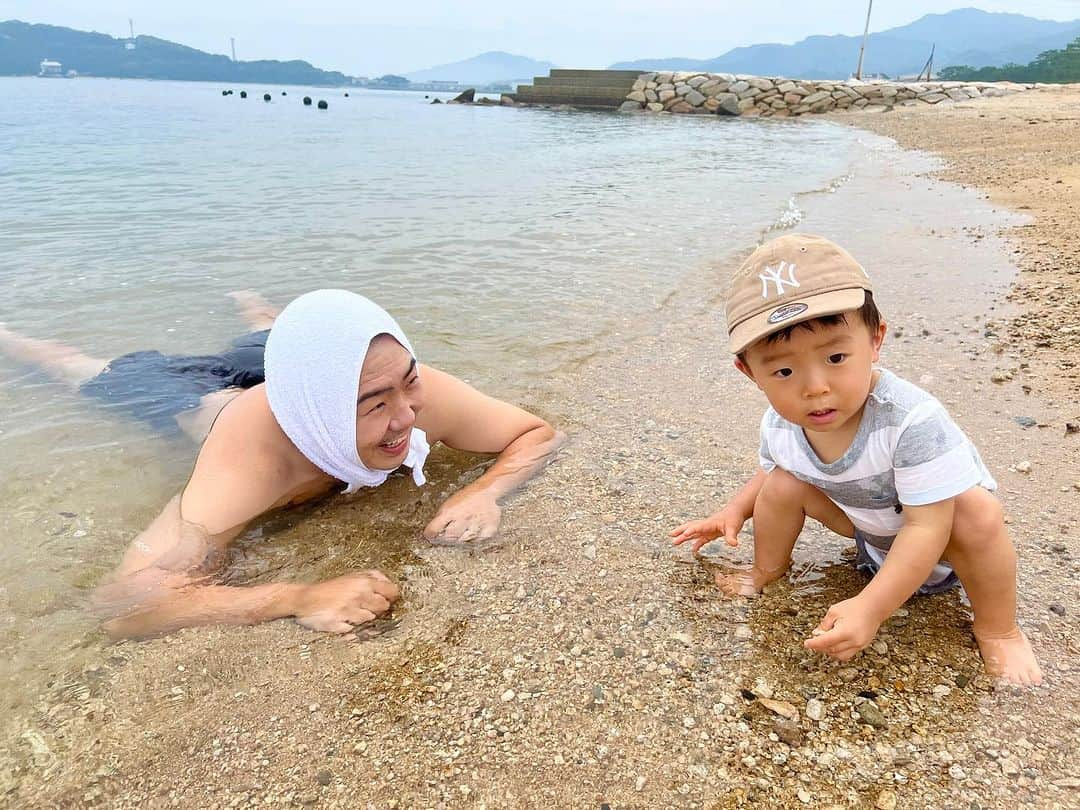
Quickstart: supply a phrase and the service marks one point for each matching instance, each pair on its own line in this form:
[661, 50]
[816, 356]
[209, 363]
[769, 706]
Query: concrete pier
[579, 88]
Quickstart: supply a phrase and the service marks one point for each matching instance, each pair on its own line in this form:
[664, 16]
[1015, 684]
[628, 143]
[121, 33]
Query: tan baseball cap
[793, 278]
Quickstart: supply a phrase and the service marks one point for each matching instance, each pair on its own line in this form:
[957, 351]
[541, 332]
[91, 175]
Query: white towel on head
[314, 356]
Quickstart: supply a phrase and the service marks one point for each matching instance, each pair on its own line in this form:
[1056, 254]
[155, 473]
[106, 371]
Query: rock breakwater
[728, 94]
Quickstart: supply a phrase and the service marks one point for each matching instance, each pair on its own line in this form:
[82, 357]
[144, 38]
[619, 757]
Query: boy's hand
[727, 522]
[848, 627]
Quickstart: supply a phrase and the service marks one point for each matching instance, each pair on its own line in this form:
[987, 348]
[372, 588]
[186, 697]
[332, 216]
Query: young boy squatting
[863, 452]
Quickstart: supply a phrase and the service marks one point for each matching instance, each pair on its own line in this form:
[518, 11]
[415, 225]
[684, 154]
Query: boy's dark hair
[868, 313]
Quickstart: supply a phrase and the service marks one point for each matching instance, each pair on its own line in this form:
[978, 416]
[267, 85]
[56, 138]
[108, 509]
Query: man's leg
[256, 310]
[984, 559]
[781, 509]
[61, 362]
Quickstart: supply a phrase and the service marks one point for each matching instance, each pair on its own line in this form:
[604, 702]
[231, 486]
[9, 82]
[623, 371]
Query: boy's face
[817, 379]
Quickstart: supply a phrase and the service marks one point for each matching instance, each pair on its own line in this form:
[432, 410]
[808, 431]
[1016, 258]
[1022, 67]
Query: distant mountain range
[23, 46]
[963, 37]
[487, 68]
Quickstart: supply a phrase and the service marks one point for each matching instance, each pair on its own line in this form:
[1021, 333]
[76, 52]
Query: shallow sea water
[512, 245]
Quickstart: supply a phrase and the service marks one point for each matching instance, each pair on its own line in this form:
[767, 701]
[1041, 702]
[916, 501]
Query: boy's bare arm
[726, 523]
[851, 625]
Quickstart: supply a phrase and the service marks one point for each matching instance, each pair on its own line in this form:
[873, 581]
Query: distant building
[442, 84]
[51, 69]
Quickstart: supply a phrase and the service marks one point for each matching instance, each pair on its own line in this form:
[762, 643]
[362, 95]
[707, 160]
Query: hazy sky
[369, 38]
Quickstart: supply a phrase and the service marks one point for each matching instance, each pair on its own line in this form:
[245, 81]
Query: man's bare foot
[1009, 657]
[256, 310]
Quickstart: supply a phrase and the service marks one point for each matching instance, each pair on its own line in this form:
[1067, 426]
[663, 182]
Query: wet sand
[584, 662]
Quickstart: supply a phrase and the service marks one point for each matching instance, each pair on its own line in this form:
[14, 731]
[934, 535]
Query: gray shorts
[942, 579]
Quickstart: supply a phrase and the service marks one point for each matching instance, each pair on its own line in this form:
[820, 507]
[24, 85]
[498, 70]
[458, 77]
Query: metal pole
[866, 33]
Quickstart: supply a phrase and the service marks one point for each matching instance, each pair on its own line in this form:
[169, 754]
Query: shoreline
[1017, 151]
[583, 662]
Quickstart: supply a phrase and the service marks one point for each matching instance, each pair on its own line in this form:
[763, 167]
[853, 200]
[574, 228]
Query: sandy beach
[582, 662]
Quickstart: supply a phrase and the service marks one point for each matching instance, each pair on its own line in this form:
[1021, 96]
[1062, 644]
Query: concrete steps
[579, 88]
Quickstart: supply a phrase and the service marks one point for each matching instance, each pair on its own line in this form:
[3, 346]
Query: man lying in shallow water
[344, 401]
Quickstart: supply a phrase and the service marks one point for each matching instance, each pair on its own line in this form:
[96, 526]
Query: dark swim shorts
[155, 387]
[869, 566]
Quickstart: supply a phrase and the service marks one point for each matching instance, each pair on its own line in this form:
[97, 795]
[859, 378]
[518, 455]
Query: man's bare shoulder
[245, 467]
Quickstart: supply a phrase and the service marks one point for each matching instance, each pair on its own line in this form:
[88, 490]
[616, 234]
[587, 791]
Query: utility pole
[232, 41]
[866, 33]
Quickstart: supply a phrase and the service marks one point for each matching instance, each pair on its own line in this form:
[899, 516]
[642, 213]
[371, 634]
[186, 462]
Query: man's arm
[461, 417]
[166, 579]
[851, 625]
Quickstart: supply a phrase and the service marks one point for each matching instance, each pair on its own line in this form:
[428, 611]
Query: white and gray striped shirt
[907, 451]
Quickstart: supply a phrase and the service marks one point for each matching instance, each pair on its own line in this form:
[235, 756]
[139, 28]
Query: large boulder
[729, 104]
[695, 98]
[467, 97]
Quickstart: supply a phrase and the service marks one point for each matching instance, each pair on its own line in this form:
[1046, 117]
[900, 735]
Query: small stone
[1057, 608]
[762, 688]
[880, 647]
[1023, 467]
[941, 690]
[1072, 427]
[788, 731]
[1025, 421]
[508, 695]
[639, 783]
[743, 632]
[589, 552]
[847, 674]
[689, 722]
[1000, 376]
[780, 707]
[804, 795]
[870, 714]
[886, 800]
[1009, 766]
[324, 778]
[956, 772]
[815, 709]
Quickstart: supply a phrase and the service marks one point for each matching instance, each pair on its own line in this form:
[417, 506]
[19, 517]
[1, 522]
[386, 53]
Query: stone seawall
[727, 94]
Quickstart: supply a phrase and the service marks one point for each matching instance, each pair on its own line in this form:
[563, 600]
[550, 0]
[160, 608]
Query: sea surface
[510, 244]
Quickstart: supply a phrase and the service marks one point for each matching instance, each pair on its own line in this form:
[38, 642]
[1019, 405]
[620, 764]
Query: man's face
[817, 379]
[388, 400]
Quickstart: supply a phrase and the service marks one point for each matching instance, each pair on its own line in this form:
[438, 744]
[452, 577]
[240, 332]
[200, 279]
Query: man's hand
[465, 517]
[727, 523]
[340, 604]
[848, 627]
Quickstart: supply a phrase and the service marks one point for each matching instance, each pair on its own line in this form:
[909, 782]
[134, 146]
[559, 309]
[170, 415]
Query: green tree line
[1052, 67]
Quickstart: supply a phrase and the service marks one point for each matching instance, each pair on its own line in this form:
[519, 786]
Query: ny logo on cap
[775, 276]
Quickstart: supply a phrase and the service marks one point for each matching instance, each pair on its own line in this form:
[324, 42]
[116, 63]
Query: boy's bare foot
[1010, 658]
[746, 583]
